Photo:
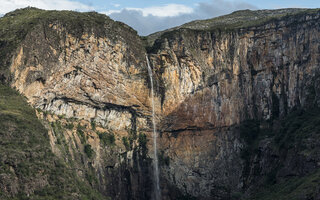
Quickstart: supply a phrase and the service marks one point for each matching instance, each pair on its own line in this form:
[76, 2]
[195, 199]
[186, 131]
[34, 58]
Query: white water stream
[157, 191]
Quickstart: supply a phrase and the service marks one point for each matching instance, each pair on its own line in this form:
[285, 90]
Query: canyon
[236, 102]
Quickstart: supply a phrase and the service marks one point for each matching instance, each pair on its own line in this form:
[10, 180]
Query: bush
[56, 126]
[126, 143]
[93, 125]
[142, 139]
[88, 150]
[69, 126]
[107, 139]
[81, 134]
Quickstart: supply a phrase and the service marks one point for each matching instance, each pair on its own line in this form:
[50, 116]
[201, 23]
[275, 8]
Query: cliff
[84, 75]
[213, 79]
[237, 101]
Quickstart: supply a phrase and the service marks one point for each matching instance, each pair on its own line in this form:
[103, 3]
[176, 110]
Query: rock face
[90, 88]
[211, 81]
[91, 85]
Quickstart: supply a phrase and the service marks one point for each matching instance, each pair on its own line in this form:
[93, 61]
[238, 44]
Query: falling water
[157, 192]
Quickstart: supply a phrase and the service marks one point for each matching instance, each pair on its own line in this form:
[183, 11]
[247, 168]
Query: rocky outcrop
[91, 89]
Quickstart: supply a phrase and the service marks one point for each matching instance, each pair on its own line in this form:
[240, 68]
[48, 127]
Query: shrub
[69, 126]
[88, 150]
[93, 125]
[142, 139]
[126, 143]
[107, 138]
[81, 133]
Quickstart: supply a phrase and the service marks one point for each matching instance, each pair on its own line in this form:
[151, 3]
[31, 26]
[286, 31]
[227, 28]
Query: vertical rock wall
[210, 82]
[93, 86]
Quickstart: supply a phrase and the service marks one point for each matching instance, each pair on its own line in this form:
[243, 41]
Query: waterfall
[157, 191]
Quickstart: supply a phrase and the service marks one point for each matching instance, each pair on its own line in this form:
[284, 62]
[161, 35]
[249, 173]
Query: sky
[149, 16]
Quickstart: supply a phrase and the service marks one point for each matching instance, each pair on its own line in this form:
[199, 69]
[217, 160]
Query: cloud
[150, 23]
[110, 12]
[10, 5]
[115, 5]
[152, 19]
[145, 20]
[169, 10]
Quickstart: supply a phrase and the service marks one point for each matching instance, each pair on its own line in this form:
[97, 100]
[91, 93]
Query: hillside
[28, 167]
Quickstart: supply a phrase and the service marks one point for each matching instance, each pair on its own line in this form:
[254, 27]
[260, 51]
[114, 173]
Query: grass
[246, 18]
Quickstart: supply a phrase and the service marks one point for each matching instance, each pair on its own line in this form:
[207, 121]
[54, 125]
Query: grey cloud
[150, 24]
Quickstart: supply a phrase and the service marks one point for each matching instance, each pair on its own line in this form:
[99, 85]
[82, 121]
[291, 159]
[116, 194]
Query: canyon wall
[91, 89]
[211, 81]
[89, 86]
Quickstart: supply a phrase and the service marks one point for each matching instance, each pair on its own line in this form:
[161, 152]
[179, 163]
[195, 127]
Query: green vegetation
[61, 116]
[92, 179]
[234, 21]
[69, 126]
[298, 128]
[128, 141]
[26, 156]
[93, 125]
[292, 189]
[246, 18]
[88, 150]
[107, 139]
[15, 26]
[142, 139]
[58, 131]
[80, 132]
[57, 127]
[17, 114]
[293, 133]
[125, 142]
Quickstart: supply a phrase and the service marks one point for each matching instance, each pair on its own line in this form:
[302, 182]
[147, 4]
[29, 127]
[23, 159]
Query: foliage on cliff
[28, 168]
[294, 145]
